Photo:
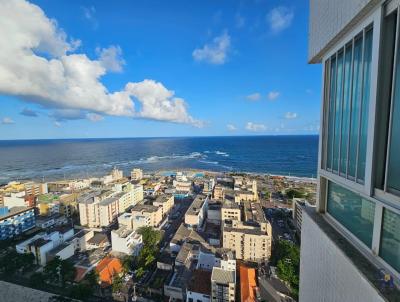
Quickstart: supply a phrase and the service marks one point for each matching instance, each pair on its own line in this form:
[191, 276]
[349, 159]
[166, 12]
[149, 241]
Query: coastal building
[16, 221]
[223, 281]
[35, 189]
[230, 211]
[15, 199]
[117, 174]
[136, 174]
[146, 215]
[219, 192]
[350, 247]
[183, 187]
[126, 241]
[250, 239]
[41, 244]
[196, 213]
[166, 202]
[298, 205]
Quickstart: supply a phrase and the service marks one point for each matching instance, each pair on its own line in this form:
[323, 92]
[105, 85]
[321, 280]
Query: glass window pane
[338, 111]
[390, 239]
[355, 213]
[365, 106]
[355, 107]
[331, 117]
[393, 178]
[346, 109]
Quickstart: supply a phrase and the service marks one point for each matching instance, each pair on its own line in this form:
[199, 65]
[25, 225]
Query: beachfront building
[250, 239]
[16, 221]
[350, 247]
[196, 213]
[136, 174]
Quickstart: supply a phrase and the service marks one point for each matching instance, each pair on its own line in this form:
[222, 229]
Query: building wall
[231, 214]
[327, 20]
[17, 224]
[326, 274]
[196, 297]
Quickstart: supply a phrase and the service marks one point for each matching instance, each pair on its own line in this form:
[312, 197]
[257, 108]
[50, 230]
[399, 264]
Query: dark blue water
[35, 159]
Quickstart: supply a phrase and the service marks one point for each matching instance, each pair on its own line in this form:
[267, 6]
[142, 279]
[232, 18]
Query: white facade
[136, 174]
[326, 273]
[126, 241]
[14, 199]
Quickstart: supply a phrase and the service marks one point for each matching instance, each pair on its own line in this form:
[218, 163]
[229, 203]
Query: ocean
[73, 158]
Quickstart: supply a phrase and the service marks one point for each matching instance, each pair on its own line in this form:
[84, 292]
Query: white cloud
[57, 124]
[231, 127]
[215, 52]
[280, 18]
[239, 20]
[291, 115]
[7, 121]
[37, 65]
[255, 127]
[111, 58]
[254, 96]
[273, 95]
[94, 117]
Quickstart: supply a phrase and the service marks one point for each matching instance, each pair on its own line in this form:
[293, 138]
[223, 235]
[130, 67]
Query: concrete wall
[328, 18]
[329, 275]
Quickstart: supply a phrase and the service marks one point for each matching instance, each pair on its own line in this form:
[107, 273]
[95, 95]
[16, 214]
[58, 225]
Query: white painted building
[126, 241]
[351, 243]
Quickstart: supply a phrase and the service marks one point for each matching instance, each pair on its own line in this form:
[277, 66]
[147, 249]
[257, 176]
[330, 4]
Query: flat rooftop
[123, 232]
[163, 198]
[144, 208]
[253, 212]
[196, 205]
[15, 211]
[223, 276]
[200, 282]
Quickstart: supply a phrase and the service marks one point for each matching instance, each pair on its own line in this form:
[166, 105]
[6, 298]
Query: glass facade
[390, 239]
[348, 97]
[355, 213]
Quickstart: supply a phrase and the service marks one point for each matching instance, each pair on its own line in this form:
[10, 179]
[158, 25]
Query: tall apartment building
[136, 174]
[34, 188]
[196, 213]
[166, 202]
[146, 215]
[250, 239]
[351, 244]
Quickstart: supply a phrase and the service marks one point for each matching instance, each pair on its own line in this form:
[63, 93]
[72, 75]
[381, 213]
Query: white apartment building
[126, 241]
[41, 244]
[14, 199]
[196, 213]
[166, 202]
[136, 174]
[351, 244]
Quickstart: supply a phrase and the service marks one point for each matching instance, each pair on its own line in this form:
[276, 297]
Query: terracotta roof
[248, 284]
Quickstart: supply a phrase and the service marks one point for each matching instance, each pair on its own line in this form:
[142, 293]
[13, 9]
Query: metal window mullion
[342, 103]
[396, 44]
[334, 113]
[326, 104]
[361, 101]
[350, 107]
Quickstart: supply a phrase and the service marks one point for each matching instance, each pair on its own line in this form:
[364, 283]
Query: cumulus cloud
[7, 121]
[38, 63]
[28, 112]
[254, 96]
[111, 58]
[231, 127]
[290, 115]
[280, 18]
[273, 95]
[250, 126]
[215, 52]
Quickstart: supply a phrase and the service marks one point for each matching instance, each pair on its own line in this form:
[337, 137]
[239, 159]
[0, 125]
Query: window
[390, 239]
[346, 110]
[355, 213]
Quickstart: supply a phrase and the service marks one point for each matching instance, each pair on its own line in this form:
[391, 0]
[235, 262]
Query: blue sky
[194, 68]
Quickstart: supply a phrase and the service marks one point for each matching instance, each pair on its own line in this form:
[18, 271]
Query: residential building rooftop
[222, 276]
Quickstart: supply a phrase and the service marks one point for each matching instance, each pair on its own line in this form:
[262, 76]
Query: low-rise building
[126, 241]
[196, 213]
[16, 221]
[231, 211]
[41, 244]
[248, 283]
[199, 286]
[108, 269]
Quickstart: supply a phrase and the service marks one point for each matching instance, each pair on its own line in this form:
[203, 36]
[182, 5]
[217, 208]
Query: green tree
[295, 193]
[36, 280]
[127, 263]
[286, 256]
[117, 284]
[150, 236]
[81, 291]
[67, 271]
